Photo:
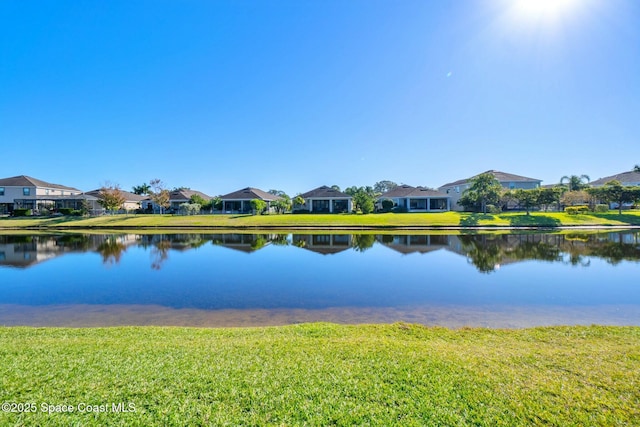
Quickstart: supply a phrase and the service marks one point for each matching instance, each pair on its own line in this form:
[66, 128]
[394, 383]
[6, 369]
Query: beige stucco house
[507, 180]
[25, 192]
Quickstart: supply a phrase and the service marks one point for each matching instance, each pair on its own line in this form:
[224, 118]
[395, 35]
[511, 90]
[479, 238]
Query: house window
[46, 191]
[26, 191]
[1, 191]
[457, 189]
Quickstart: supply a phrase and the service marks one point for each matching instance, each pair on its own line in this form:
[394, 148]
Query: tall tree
[141, 190]
[615, 192]
[363, 198]
[575, 182]
[527, 198]
[111, 198]
[548, 196]
[636, 168]
[485, 190]
[258, 206]
[384, 186]
[159, 194]
[298, 201]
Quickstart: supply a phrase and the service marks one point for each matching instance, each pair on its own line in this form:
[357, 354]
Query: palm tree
[576, 182]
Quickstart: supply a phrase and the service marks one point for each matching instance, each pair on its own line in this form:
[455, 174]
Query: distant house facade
[132, 201]
[417, 199]
[240, 201]
[509, 181]
[627, 179]
[176, 198]
[325, 200]
[25, 192]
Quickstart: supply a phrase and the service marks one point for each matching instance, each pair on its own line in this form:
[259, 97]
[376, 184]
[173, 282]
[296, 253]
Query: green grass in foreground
[324, 374]
[442, 219]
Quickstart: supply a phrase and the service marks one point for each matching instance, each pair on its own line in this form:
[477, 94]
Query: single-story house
[132, 201]
[176, 198]
[417, 199]
[25, 192]
[325, 200]
[507, 180]
[239, 201]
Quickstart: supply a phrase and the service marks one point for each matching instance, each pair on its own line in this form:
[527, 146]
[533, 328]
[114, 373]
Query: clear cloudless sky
[291, 95]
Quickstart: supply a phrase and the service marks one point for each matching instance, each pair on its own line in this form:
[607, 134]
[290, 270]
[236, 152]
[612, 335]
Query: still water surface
[494, 280]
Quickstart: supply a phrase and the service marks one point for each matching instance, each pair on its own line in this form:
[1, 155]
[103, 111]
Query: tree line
[574, 194]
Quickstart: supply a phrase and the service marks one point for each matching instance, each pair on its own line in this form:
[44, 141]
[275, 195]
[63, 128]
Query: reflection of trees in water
[487, 252]
[484, 252]
[111, 250]
[259, 242]
[280, 239]
[160, 253]
[615, 252]
[363, 242]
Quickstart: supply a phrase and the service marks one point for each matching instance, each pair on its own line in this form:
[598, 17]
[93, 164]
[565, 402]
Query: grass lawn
[388, 220]
[322, 374]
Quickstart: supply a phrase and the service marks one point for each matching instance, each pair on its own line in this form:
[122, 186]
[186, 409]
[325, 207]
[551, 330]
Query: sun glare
[542, 9]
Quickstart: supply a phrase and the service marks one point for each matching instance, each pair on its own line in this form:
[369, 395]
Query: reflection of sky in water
[216, 277]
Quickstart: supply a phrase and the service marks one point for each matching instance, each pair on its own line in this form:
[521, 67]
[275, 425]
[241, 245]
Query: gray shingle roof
[130, 197]
[500, 176]
[250, 193]
[186, 195]
[324, 191]
[409, 191]
[625, 178]
[27, 181]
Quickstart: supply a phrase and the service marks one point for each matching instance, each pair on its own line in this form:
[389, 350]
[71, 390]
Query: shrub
[65, 211]
[493, 209]
[575, 210]
[77, 212]
[400, 209]
[190, 208]
[387, 205]
[602, 208]
[258, 206]
[300, 211]
[22, 212]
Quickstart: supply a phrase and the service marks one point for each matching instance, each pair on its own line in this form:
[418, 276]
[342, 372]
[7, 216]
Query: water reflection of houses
[325, 244]
[407, 244]
[24, 251]
[243, 242]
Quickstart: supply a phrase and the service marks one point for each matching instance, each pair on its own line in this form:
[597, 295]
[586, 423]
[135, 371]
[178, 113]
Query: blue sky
[220, 95]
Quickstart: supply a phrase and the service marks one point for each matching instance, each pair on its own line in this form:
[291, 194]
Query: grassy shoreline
[417, 221]
[322, 374]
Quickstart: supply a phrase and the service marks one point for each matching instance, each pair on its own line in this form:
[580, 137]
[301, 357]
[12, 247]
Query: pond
[234, 279]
